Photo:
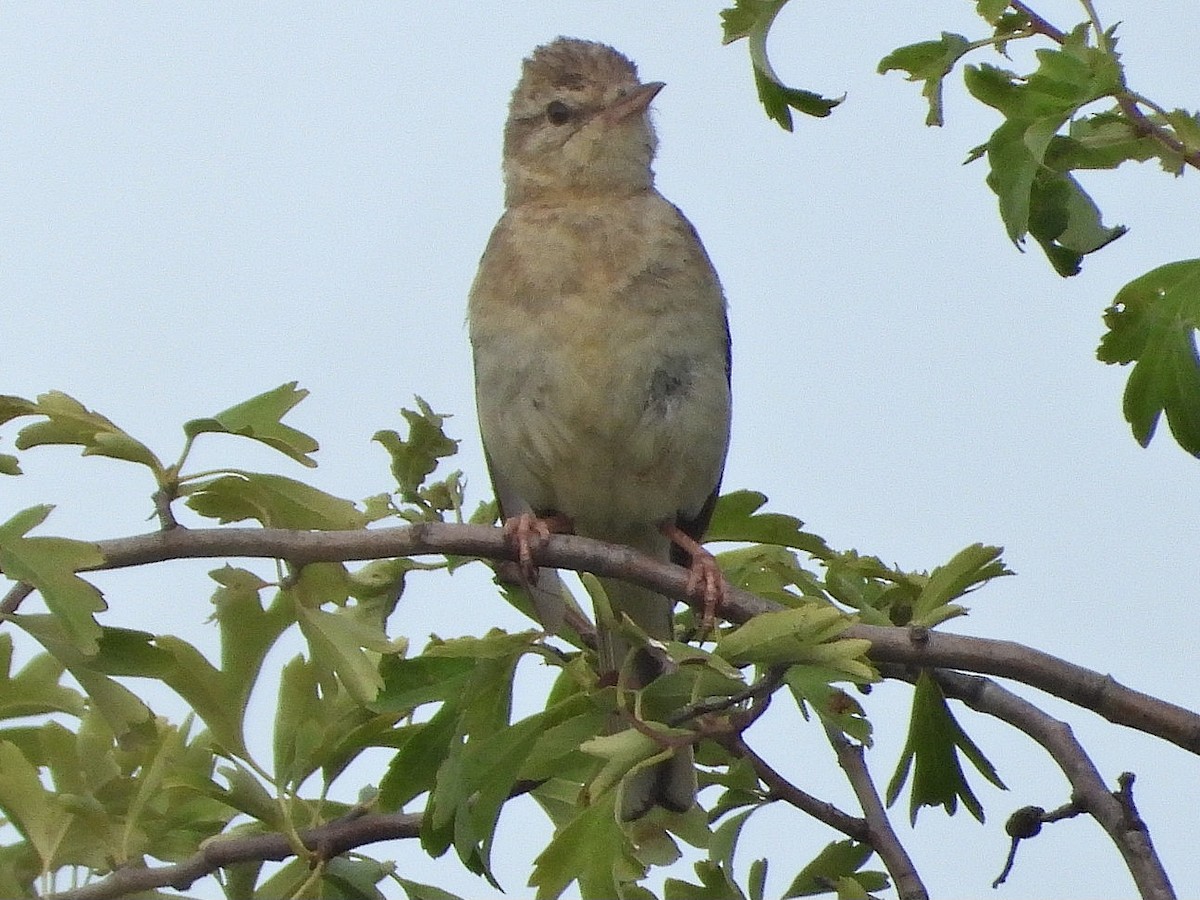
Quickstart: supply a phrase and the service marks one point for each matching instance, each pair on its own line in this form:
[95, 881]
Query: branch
[1115, 812]
[327, 841]
[882, 837]
[909, 646]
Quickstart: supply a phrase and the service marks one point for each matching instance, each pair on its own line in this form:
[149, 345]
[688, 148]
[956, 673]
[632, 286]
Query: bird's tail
[671, 783]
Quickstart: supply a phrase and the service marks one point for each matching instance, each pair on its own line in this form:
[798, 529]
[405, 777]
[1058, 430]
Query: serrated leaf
[837, 860]
[933, 744]
[736, 518]
[50, 564]
[813, 686]
[413, 770]
[1030, 160]
[806, 634]
[1152, 323]
[930, 62]
[184, 669]
[260, 419]
[716, 883]
[36, 689]
[124, 713]
[1066, 222]
[14, 407]
[247, 630]
[28, 806]
[338, 641]
[472, 795]
[275, 501]
[968, 569]
[991, 10]
[592, 849]
[415, 458]
[298, 732]
[69, 422]
[1187, 128]
[752, 19]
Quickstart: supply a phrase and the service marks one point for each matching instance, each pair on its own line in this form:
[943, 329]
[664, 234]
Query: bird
[601, 350]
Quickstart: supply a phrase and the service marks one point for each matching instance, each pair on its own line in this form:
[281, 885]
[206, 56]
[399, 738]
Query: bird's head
[578, 124]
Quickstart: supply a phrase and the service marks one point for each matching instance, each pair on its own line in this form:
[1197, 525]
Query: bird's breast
[601, 370]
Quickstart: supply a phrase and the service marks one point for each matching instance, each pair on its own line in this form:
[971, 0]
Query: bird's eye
[558, 113]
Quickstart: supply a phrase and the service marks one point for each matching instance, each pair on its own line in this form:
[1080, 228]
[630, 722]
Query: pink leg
[705, 579]
[526, 532]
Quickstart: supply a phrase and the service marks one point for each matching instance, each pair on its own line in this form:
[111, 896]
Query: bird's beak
[632, 103]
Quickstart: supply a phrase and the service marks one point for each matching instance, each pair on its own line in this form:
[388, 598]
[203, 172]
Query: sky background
[199, 202]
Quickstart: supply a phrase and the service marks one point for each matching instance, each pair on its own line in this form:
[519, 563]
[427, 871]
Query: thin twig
[883, 838]
[782, 789]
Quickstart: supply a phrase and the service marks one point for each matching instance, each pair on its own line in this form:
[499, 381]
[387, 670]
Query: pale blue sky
[199, 202]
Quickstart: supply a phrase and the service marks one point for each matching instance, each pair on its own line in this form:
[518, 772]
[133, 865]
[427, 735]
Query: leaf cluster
[128, 787]
[1071, 111]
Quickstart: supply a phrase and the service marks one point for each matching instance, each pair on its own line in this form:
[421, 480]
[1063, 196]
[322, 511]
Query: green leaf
[413, 770]
[30, 807]
[1152, 323]
[35, 690]
[716, 883]
[1187, 128]
[1030, 161]
[934, 739]
[807, 634]
[184, 669]
[836, 861]
[1066, 222]
[298, 732]
[260, 419]
[471, 795]
[275, 501]
[991, 10]
[247, 631]
[590, 848]
[971, 567]
[558, 743]
[417, 891]
[417, 457]
[930, 62]
[736, 518]
[752, 19]
[337, 640]
[9, 464]
[813, 686]
[1100, 141]
[50, 564]
[409, 683]
[69, 422]
[14, 407]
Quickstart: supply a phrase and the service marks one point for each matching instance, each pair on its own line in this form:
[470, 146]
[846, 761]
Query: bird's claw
[526, 533]
[706, 582]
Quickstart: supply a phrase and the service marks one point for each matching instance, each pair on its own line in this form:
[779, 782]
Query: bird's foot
[706, 582]
[527, 532]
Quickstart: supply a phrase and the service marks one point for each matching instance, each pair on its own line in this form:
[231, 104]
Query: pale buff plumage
[600, 342]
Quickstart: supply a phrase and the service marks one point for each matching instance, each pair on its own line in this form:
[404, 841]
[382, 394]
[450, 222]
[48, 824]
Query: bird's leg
[705, 581]
[526, 531]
